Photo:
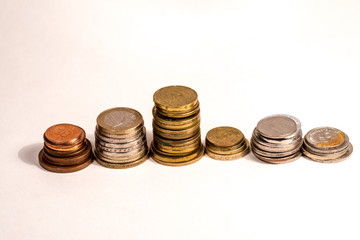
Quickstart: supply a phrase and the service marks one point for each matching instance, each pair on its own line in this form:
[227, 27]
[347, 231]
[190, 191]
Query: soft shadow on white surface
[29, 154]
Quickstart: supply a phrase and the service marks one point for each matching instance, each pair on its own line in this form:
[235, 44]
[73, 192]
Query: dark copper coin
[64, 135]
[62, 169]
[57, 153]
[70, 160]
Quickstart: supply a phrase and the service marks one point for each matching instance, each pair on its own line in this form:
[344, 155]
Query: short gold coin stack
[176, 127]
[120, 138]
[226, 143]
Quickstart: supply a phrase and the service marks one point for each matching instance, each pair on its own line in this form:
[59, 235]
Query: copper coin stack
[277, 139]
[120, 138]
[66, 149]
[176, 127]
[226, 143]
[327, 145]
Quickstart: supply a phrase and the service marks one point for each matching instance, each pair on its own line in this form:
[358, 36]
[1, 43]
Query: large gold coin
[182, 161]
[175, 98]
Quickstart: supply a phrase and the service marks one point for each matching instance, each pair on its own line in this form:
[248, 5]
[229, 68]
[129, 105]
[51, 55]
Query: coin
[277, 139]
[120, 138]
[278, 126]
[229, 156]
[64, 135]
[119, 120]
[327, 145]
[62, 168]
[175, 98]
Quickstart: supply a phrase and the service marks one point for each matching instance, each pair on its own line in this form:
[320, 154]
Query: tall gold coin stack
[176, 127]
[226, 143]
[120, 138]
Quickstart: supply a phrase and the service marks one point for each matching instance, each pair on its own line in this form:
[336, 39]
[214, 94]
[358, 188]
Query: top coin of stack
[120, 138]
[176, 126]
[66, 149]
[277, 139]
[327, 145]
[226, 143]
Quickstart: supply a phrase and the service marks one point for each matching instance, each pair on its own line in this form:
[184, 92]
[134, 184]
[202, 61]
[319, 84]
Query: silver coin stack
[327, 145]
[277, 139]
[120, 138]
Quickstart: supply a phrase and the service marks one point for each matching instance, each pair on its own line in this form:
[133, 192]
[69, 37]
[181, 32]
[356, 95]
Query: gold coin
[167, 157]
[229, 157]
[239, 148]
[177, 142]
[175, 98]
[224, 137]
[185, 149]
[176, 134]
[120, 120]
[175, 123]
[180, 114]
[181, 161]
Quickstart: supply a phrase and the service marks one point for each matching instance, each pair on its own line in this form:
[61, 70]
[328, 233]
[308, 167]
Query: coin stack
[327, 145]
[120, 138]
[66, 149]
[176, 127]
[277, 139]
[226, 143]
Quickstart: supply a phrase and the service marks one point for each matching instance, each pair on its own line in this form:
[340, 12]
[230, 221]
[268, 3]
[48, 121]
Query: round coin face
[278, 126]
[224, 136]
[325, 137]
[175, 98]
[64, 134]
[119, 120]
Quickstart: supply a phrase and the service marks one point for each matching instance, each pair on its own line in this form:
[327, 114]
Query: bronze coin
[57, 153]
[62, 169]
[64, 135]
[70, 160]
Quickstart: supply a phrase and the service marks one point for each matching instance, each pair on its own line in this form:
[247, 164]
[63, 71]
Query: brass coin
[177, 142]
[164, 160]
[70, 160]
[64, 135]
[185, 149]
[62, 169]
[224, 136]
[229, 157]
[121, 165]
[181, 114]
[176, 159]
[175, 98]
[176, 123]
[176, 134]
[120, 120]
[223, 151]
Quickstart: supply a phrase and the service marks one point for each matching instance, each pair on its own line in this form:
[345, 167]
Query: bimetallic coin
[121, 165]
[325, 138]
[119, 120]
[175, 98]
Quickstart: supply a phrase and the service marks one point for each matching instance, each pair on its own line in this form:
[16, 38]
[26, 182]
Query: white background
[66, 61]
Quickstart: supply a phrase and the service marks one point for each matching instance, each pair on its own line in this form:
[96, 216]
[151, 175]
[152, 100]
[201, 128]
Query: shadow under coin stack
[66, 149]
[176, 127]
[277, 139]
[120, 138]
[327, 145]
[226, 143]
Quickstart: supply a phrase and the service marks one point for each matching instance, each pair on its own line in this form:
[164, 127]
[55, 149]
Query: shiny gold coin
[156, 154]
[224, 137]
[176, 123]
[176, 134]
[229, 157]
[120, 120]
[164, 160]
[175, 98]
[185, 149]
[177, 142]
